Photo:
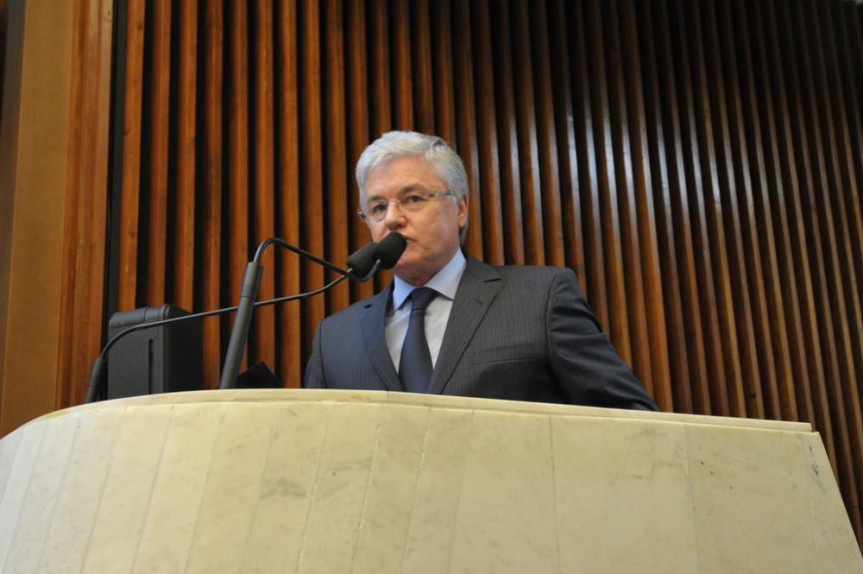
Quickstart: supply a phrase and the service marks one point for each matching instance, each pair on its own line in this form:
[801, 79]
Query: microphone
[388, 254]
[362, 261]
[390, 249]
[361, 266]
[371, 257]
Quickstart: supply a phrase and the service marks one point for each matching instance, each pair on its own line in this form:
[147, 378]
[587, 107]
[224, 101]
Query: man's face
[432, 233]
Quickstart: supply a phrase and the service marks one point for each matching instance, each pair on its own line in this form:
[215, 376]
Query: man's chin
[411, 271]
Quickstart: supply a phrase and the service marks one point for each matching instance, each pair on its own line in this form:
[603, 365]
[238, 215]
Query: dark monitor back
[163, 359]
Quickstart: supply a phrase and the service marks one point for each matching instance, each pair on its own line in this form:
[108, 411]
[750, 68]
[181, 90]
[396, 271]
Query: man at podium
[450, 324]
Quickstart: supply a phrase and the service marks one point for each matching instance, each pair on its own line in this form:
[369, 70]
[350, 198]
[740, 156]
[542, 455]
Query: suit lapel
[478, 287]
[375, 341]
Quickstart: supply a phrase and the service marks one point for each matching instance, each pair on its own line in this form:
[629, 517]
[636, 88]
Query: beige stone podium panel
[334, 481]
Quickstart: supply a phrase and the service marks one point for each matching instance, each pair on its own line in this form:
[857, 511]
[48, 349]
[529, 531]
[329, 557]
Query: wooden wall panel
[507, 138]
[645, 242]
[465, 116]
[756, 355]
[487, 144]
[290, 332]
[776, 371]
[131, 163]
[184, 155]
[675, 279]
[82, 287]
[236, 248]
[594, 280]
[698, 164]
[626, 154]
[565, 135]
[262, 148]
[211, 149]
[156, 127]
[783, 299]
[358, 127]
[528, 153]
[338, 174]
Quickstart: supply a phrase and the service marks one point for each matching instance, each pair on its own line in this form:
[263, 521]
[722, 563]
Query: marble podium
[334, 481]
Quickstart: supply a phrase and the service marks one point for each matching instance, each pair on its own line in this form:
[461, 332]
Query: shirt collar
[444, 282]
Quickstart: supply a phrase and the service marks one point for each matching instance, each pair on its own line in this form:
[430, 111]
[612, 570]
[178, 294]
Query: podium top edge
[427, 401]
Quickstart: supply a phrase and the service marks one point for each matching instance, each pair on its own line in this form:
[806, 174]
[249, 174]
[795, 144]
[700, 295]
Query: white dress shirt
[445, 282]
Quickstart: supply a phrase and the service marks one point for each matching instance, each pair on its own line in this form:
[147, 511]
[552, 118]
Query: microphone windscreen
[363, 259]
[390, 249]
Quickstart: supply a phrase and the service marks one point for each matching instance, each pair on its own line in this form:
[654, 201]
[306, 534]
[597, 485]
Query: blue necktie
[415, 366]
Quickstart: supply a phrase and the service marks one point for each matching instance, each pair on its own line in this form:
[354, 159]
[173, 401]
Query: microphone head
[363, 259]
[390, 249]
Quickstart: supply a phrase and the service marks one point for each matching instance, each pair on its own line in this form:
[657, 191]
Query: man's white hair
[440, 157]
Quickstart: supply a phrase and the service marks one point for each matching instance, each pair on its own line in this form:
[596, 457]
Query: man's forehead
[402, 175]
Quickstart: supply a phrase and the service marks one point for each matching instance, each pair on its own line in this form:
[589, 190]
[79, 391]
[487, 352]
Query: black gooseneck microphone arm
[380, 254]
[362, 265]
[97, 372]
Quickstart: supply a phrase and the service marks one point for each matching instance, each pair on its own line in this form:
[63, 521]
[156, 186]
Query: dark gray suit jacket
[519, 333]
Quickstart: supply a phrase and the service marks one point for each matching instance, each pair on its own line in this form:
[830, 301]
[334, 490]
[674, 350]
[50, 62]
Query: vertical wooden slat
[4, 34]
[769, 292]
[731, 388]
[628, 221]
[715, 401]
[379, 78]
[566, 147]
[379, 67]
[71, 300]
[264, 342]
[312, 166]
[466, 133]
[184, 237]
[292, 358]
[720, 208]
[486, 136]
[528, 153]
[742, 263]
[211, 195]
[424, 115]
[159, 118]
[664, 156]
[589, 170]
[842, 302]
[612, 266]
[402, 79]
[338, 205]
[510, 171]
[546, 136]
[812, 167]
[844, 192]
[86, 212]
[846, 210]
[131, 184]
[358, 113]
[789, 346]
[444, 92]
[654, 339]
[787, 203]
[849, 52]
[238, 150]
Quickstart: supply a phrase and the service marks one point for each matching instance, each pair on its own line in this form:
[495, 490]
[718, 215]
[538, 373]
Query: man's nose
[395, 216]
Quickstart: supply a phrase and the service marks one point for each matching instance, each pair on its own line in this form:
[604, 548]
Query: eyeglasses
[376, 210]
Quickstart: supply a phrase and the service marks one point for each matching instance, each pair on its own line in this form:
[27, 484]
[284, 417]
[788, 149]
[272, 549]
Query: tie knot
[421, 297]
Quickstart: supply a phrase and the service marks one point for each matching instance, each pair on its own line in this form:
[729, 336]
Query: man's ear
[461, 205]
